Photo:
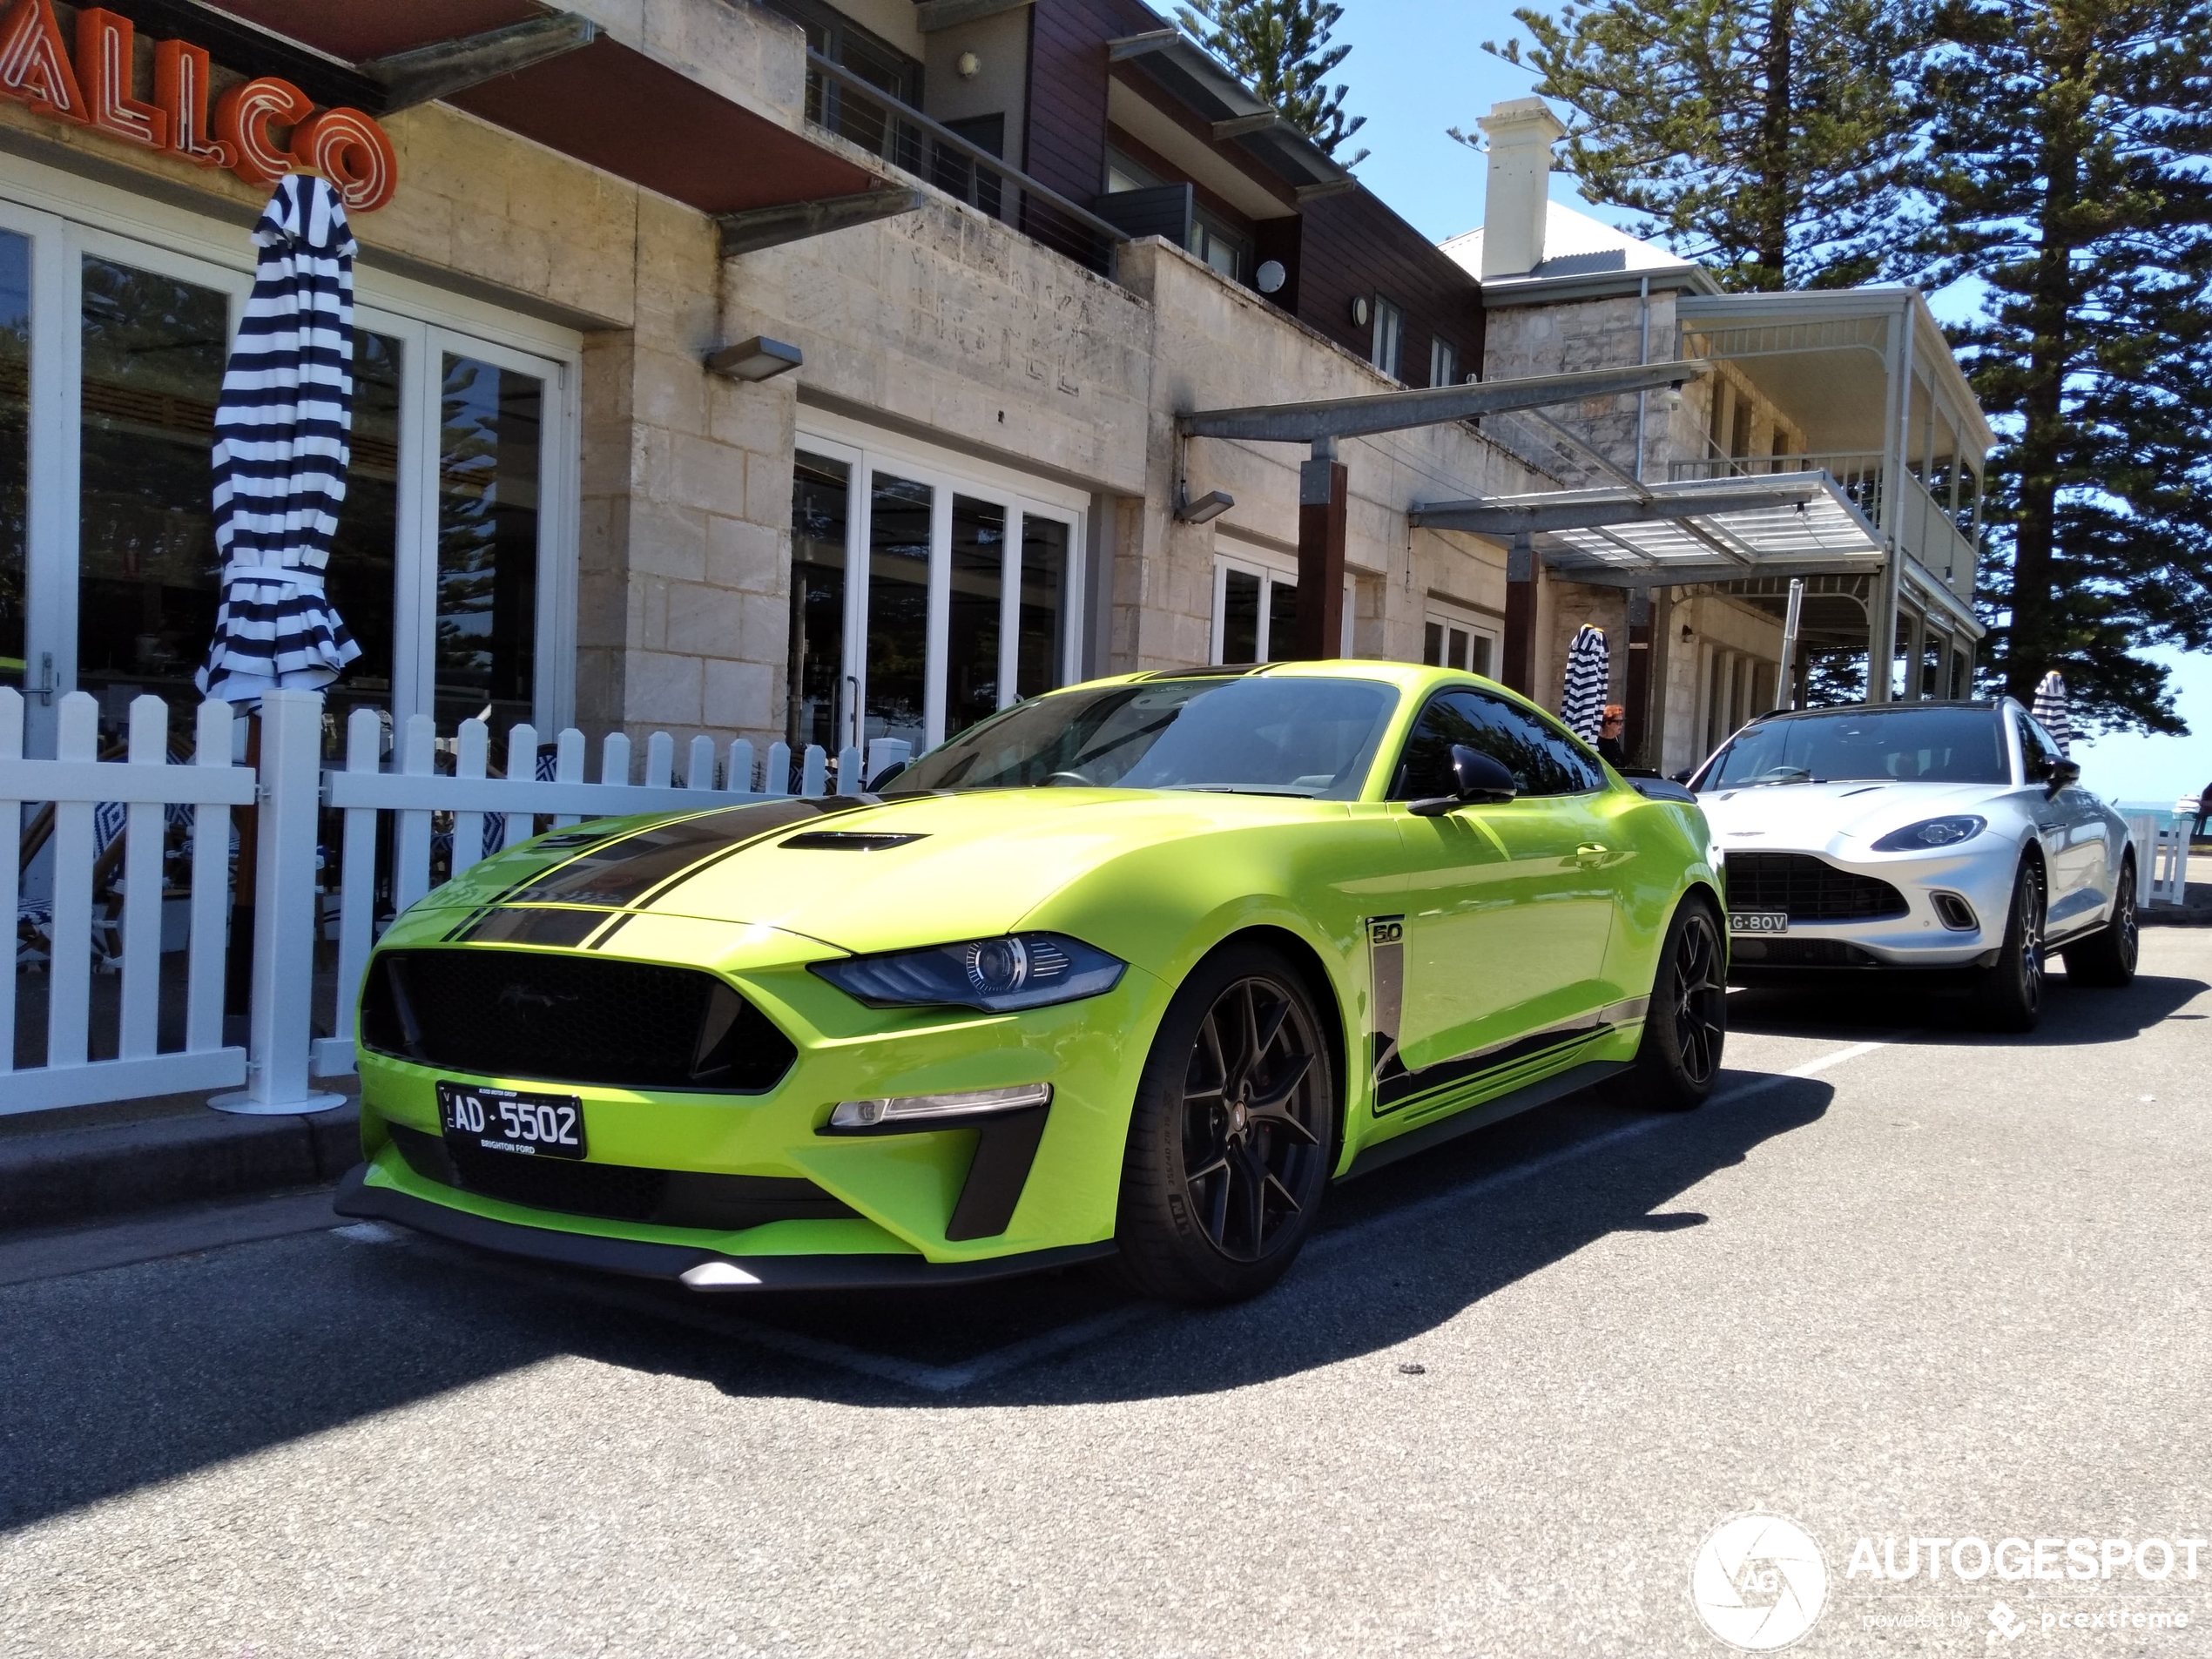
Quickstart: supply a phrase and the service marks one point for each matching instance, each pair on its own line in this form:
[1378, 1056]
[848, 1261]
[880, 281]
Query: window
[1255, 612]
[1122, 174]
[1443, 362]
[2039, 750]
[820, 508]
[1451, 642]
[1542, 758]
[876, 61]
[1220, 246]
[924, 602]
[1390, 337]
[450, 564]
[1902, 743]
[1255, 609]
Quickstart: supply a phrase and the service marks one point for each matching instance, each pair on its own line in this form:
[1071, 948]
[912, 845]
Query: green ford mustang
[1133, 969]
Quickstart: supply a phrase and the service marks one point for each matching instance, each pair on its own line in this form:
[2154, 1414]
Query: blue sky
[1417, 67]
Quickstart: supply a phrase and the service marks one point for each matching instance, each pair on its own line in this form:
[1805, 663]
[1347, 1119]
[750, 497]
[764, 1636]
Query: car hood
[1818, 815]
[862, 874]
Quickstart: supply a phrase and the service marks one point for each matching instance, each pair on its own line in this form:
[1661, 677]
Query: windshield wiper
[1243, 789]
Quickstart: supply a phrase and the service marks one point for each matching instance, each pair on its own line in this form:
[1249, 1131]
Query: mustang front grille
[569, 1019]
[1810, 889]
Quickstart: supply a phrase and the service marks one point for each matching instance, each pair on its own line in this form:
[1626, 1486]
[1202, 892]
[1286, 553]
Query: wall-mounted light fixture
[967, 66]
[758, 359]
[1363, 310]
[1206, 508]
[1271, 276]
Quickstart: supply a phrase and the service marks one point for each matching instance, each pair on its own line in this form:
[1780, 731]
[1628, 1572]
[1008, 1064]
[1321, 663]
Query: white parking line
[945, 1379]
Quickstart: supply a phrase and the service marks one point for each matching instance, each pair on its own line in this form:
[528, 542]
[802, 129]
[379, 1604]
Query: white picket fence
[292, 788]
[2161, 858]
[145, 784]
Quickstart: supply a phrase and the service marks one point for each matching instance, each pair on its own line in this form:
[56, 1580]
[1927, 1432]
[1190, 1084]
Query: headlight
[1932, 832]
[998, 975]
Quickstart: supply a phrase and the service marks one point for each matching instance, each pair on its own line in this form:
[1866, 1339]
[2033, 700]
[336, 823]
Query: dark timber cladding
[1353, 244]
[1066, 140]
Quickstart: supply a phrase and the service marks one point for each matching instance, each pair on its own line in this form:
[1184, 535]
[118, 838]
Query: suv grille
[617, 1191]
[1811, 890]
[569, 1019]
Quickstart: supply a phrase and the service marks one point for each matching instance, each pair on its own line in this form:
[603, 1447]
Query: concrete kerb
[75, 1172]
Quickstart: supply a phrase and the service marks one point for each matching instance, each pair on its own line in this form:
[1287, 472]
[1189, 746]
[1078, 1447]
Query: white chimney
[1521, 132]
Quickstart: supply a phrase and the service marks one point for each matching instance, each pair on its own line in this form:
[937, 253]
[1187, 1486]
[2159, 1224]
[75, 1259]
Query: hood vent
[846, 841]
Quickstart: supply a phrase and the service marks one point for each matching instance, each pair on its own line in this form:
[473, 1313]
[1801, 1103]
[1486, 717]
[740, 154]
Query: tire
[1685, 1028]
[1233, 1134]
[2108, 957]
[2011, 991]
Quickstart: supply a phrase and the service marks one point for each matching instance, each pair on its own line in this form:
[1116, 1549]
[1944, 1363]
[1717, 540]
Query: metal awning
[1707, 530]
[1183, 69]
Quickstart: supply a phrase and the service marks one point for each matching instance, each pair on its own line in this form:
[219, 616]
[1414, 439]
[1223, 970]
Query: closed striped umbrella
[1581, 704]
[2050, 710]
[281, 454]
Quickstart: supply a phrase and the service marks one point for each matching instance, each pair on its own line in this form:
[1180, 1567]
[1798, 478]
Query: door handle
[1590, 852]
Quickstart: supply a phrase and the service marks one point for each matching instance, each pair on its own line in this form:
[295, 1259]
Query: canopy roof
[1709, 530]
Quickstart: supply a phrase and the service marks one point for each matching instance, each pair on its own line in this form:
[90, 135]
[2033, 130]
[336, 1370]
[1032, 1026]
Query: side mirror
[2061, 773]
[876, 783]
[1685, 775]
[1479, 781]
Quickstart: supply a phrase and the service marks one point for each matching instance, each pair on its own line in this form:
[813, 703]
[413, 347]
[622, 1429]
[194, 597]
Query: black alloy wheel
[1250, 1124]
[1685, 1025]
[1232, 1134]
[1701, 998]
[2011, 988]
[2108, 957]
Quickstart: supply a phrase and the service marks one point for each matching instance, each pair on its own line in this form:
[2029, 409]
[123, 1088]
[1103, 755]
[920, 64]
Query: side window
[1425, 771]
[1542, 759]
[2037, 751]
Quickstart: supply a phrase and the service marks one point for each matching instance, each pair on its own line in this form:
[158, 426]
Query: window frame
[66, 218]
[865, 451]
[1389, 324]
[1271, 572]
[1449, 618]
[1441, 372]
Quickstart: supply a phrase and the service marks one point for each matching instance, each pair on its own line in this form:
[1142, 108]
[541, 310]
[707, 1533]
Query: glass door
[921, 603]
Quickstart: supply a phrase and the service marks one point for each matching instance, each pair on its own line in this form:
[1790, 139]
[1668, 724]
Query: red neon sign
[97, 90]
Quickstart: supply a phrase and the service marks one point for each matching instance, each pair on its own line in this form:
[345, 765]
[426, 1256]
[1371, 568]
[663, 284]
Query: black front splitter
[695, 1269]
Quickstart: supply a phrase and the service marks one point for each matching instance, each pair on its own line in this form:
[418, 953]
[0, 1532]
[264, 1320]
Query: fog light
[911, 1108]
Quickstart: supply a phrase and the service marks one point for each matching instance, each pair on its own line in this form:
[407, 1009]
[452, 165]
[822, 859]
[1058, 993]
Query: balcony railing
[1925, 526]
[862, 112]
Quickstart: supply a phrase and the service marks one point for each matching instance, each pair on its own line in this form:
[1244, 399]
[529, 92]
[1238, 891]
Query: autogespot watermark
[1760, 1582]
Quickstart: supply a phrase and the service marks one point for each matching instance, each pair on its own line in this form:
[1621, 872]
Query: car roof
[1984, 705]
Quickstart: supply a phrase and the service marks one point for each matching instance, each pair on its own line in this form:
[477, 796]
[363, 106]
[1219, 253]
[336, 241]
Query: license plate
[499, 1120]
[1758, 921]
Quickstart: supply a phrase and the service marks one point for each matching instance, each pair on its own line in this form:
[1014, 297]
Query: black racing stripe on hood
[529, 926]
[627, 873]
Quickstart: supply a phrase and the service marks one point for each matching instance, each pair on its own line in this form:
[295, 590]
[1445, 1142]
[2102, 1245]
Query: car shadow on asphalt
[1845, 1005]
[127, 1377]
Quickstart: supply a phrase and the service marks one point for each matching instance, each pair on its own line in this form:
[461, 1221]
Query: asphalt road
[1933, 1285]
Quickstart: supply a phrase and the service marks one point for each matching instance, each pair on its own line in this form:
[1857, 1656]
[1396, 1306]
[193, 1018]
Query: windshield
[1904, 745]
[1261, 735]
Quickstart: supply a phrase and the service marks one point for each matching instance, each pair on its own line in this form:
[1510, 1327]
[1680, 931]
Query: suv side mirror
[1481, 781]
[2061, 773]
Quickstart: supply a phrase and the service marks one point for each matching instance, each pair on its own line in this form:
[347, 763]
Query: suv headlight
[1933, 832]
[998, 975]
